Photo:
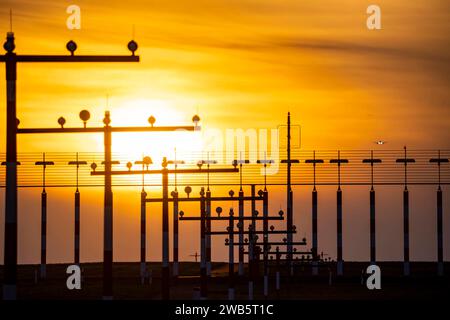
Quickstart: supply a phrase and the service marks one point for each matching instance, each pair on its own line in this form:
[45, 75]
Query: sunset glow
[238, 65]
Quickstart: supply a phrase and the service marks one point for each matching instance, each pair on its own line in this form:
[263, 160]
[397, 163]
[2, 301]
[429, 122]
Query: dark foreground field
[422, 284]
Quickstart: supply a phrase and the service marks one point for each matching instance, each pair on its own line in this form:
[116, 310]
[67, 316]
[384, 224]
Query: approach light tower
[11, 59]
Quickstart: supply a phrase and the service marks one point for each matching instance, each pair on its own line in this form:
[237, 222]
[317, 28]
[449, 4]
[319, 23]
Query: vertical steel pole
[241, 233]
[315, 270]
[203, 272]
[340, 262]
[77, 217]
[208, 227]
[440, 250]
[251, 247]
[10, 251]
[77, 227]
[266, 241]
[372, 227]
[143, 235]
[289, 214]
[43, 272]
[108, 215]
[406, 266]
[175, 234]
[165, 272]
[372, 161]
[231, 256]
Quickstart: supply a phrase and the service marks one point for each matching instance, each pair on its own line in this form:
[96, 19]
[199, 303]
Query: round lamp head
[71, 46]
[61, 122]
[9, 45]
[151, 120]
[107, 119]
[147, 160]
[84, 116]
[196, 119]
[132, 46]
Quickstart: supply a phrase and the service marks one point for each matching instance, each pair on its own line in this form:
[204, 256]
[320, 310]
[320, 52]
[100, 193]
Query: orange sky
[234, 60]
[239, 64]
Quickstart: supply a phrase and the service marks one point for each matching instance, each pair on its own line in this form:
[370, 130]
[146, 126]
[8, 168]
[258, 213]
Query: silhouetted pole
[265, 242]
[251, 261]
[108, 215]
[340, 261]
[174, 194]
[372, 228]
[315, 269]
[77, 163]
[440, 238]
[175, 233]
[265, 196]
[314, 231]
[10, 244]
[11, 60]
[289, 198]
[406, 265]
[77, 228]
[143, 239]
[231, 294]
[289, 213]
[439, 233]
[43, 272]
[241, 215]
[145, 162]
[203, 271]
[44, 164]
[251, 248]
[372, 161]
[165, 272]
[208, 227]
[241, 232]
[207, 206]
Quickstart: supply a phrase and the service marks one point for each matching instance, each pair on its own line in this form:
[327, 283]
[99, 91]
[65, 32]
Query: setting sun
[158, 144]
